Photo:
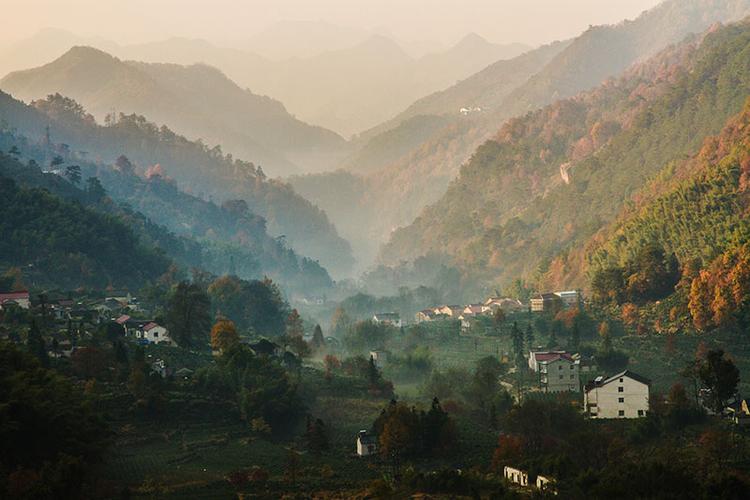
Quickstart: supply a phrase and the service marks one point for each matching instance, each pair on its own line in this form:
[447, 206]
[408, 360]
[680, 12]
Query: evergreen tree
[35, 344]
[189, 315]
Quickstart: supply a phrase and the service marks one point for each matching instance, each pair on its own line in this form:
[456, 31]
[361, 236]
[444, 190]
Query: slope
[511, 211]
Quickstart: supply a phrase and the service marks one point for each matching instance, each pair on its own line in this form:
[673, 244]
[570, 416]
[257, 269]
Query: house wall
[605, 400]
[364, 450]
[516, 476]
[559, 375]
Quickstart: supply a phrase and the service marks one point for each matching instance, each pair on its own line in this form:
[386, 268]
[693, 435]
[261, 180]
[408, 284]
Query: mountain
[201, 171]
[550, 180]
[192, 231]
[399, 189]
[198, 101]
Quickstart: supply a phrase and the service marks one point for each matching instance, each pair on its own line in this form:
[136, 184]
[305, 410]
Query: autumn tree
[224, 335]
[699, 301]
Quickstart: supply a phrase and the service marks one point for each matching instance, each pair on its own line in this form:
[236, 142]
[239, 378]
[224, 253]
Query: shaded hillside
[207, 173]
[63, 243]
[399, 189]
[509, 213]
[197, 101]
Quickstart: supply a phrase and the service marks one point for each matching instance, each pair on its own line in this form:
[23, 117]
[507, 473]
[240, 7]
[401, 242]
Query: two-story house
[624, 395]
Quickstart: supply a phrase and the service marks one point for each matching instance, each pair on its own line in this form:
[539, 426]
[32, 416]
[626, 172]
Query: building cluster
[521, 478]
[624, 395]
[468, 312]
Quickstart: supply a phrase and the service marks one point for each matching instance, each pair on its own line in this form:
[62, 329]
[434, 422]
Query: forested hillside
[511, 212]
[230, 238]
[204, 172]
[419, 175]
[64, 243]
[197, 101]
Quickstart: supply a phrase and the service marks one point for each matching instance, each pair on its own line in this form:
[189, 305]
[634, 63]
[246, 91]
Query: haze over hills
[348, 88]
[396, 190]
[198, 101]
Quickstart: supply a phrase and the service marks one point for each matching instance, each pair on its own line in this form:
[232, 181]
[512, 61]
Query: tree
[124, 165]
[318, 341]
[56, 161]
[224, 335]
[189, 315]
[699, 301]
[720, 376]
[529, 336]
[294, 324]
[94, 190]
[35, 344]
[73, 174]
[517, 338]
[252, 305]
[340, 322]
[317, 436]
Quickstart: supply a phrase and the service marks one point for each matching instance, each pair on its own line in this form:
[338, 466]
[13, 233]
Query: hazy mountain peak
[472, 40]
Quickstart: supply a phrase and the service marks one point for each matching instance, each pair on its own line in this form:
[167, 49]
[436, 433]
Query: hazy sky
[529, 21]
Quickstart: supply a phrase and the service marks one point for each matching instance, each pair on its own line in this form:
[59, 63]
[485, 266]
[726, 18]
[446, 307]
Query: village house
[545, 483]
[624, 395]
[451, 311]
[389, 318]
[738, 412]
[558, 371]
[516, 476]
[425, 315]
[19, 299]
[153, 333]
[570, 298]
[505, 303]
[544, 302]
[367, 444]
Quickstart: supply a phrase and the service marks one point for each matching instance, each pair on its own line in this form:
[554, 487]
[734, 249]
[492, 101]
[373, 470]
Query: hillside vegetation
[610, 141]
[203, 172]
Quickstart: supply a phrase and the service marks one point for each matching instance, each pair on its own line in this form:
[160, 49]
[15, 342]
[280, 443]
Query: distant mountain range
[345, 88]
[197, 101]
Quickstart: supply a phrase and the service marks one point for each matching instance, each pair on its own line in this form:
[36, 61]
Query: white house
[20, 299]
[154, 333]
[390, 318]
[516, 476]
[545, 483]
[558, 372]
[366, 444]
[624, 395]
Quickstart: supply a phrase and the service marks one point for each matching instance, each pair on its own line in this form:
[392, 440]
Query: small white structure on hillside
[154, 333]
[389, 318]
[367, 444]
[380, 358]
[544, 483]
[558, 371]
[20, 299]
[516, 476]
[624, 395]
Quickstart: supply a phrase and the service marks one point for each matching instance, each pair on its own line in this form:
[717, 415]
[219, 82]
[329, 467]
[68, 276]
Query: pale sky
[444, 21]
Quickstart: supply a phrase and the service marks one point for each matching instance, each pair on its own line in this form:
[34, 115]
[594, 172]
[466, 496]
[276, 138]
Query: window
[561, 377]
[620, 389]
[572, 377]
[621, 413]
[559, 367]
[640, 413]
[621, 380]
[571, 367]
[620, 400]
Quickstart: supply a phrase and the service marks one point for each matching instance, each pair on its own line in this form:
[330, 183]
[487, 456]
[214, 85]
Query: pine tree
[35, 344]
